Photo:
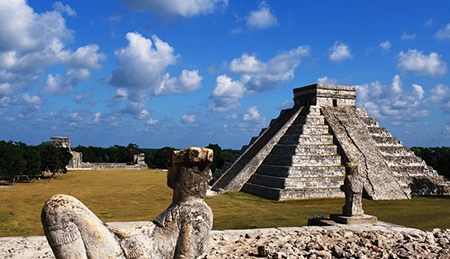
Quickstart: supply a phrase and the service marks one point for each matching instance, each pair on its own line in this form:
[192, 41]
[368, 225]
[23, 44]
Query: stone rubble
[330, 242]
[339, 241]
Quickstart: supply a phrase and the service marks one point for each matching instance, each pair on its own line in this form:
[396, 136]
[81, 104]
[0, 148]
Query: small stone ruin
[302, 154]
[76, 163]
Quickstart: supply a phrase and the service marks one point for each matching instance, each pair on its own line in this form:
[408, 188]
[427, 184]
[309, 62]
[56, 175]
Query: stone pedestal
[353, 220]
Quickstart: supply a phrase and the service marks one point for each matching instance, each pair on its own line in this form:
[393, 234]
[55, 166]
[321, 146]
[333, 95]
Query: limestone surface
[339, 241]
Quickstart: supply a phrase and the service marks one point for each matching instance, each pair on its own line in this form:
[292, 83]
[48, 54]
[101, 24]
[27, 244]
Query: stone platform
[354, 220]
[381, 240]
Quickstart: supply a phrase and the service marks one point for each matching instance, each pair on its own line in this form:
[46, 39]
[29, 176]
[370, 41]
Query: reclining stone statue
[181, 231]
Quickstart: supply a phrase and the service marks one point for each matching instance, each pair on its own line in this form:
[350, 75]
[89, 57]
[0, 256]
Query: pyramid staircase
[301, 155]
[251, 157]
[304, 164]
[410, 170]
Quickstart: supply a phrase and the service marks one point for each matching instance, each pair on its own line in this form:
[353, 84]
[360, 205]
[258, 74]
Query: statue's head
[189, 174]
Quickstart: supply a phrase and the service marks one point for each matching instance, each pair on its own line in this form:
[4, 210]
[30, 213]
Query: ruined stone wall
[100, 166]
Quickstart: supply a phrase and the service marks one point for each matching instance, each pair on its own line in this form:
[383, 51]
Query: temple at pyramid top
[302, 153]
[325, 95]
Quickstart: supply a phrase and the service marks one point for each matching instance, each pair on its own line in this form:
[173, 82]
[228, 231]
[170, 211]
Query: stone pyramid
[301, 155]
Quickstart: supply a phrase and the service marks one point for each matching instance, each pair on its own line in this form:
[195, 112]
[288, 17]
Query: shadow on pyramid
[301, 155]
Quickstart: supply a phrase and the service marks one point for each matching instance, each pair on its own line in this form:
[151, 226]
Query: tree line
[436, 157]
[154, 158]
[19, 161]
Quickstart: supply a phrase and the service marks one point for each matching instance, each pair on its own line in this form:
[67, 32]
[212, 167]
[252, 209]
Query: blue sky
[185, 73]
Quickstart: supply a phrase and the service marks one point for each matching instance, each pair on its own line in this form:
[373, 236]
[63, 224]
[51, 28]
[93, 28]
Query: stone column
[352, 212]
[353, 188]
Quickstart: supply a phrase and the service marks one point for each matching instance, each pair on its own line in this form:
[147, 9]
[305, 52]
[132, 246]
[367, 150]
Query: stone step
[303, 160]
[369, 121]
[404, 161]
[310, 120]
[361, 112]
[395, 151]
[425, 186]
[252, 140]
[292, 194]
[297, 182]
[314, 110]
[236, 156]
[417, 170]
[244, 148]
[262, 131]
[377, 131]
[306, 139]
[304, 171]
[387, 141]
[304, 149]
[308, 129]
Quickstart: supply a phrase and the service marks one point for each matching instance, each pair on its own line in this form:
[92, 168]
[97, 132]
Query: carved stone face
[189, 174]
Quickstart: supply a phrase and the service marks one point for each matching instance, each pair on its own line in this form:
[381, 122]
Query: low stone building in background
[301, 155]
[76, 163]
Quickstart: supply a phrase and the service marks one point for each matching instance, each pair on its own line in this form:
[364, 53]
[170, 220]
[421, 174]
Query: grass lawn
[129, 195]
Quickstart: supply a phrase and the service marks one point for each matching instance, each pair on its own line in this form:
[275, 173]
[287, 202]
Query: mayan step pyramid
[301, 155]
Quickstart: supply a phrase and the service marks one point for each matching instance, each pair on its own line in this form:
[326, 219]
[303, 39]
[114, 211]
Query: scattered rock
[339, 241]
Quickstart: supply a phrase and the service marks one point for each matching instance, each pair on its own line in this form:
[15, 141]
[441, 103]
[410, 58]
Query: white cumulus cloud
[64, 84]
[440, 97]
[189, 118]
[189, 81]
[226, 87]
[428, 65]
[32, 42]
[385, 46]
[406, 36]
[184, 8]
[254, 76]
[58, 6]
[443, 33]
[254, 116]
[326, 80]
[142, 65]
[339, 52]
[152, 121]
[392, 102]
[261, 18]
[247, 64]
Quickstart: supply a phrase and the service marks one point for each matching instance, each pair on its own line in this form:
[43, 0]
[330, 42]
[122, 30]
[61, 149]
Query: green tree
[12, 163]
[33, 161]
[149, 157]
[217, 150]
[220, 156]
[436, 157]
[54, 159]
[132, 149]
[163, 157]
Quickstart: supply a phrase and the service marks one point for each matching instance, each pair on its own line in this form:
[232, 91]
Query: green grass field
[121, 195]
